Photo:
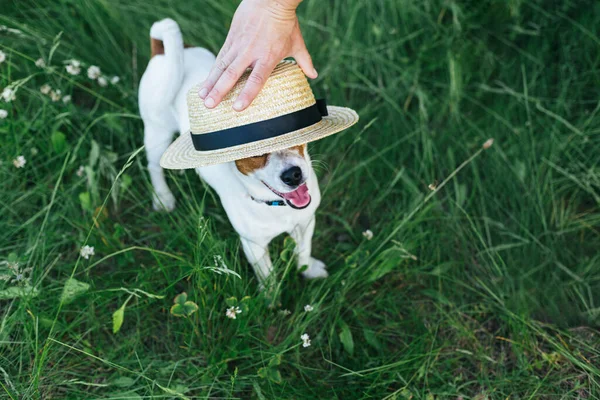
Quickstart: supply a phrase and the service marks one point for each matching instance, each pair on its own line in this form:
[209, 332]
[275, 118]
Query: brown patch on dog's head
[300, 149]
[248, 165]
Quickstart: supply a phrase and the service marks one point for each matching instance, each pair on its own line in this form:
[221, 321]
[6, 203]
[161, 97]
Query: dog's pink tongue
[298, 197]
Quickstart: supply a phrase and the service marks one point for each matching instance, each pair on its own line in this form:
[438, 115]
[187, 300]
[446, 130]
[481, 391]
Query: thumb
[305, 62]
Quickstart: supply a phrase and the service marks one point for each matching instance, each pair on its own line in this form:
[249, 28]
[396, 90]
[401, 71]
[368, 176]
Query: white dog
[263, 196]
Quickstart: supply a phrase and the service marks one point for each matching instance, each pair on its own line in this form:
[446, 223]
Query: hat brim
[181, 154]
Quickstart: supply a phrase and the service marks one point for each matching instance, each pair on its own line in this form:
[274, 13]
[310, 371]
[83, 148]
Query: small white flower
[102, 81]
[45, 88]
[72, 69]
[40, 63]
[308, 308]
[305, 340]
[2, 56]
[93, 72]
[34, 151]
[66, 99]
[232, 312]
[19, 162]
[368, 234]
[8, 95]
[3, 114]
[55, 95]
[432, 186]
[75, 63]
[114, 80]
[80, 171]
[488, 143]
[87, 251]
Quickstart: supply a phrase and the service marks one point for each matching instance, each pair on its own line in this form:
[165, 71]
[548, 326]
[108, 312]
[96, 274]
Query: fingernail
[210, 102]
[203, 92]
[238, 105]
[315, 73]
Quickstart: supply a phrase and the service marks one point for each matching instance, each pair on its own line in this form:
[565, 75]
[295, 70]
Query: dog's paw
[164, 201]
[315, 270]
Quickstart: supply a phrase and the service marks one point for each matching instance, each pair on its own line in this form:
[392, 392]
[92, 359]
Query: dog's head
[284, 173]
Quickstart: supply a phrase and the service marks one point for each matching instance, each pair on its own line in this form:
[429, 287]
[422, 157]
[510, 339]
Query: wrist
[280, 8]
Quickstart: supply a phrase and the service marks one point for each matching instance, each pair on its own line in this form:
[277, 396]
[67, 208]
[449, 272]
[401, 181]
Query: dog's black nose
[292, 176]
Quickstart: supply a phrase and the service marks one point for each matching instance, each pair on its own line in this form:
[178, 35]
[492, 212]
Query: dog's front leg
[258, 256]
[302, 235]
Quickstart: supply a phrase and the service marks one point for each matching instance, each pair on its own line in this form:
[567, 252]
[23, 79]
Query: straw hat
[283, 115]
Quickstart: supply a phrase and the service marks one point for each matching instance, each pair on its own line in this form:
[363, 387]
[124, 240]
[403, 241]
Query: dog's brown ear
[248, 165]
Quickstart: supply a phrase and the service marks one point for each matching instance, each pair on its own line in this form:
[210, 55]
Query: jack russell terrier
[263, 196]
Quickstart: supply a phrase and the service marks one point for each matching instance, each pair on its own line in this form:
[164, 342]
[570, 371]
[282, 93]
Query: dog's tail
[165, 38]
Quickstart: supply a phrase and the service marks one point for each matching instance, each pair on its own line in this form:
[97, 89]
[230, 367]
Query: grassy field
[482, 279]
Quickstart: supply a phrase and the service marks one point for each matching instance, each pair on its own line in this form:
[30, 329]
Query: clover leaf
[183, 307]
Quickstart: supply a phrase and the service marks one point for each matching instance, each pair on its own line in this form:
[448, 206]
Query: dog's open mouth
[298, 199]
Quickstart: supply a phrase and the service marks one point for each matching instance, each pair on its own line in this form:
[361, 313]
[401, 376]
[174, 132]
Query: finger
[254, 84]
[221, 64]
[228, 78]
[303, 58]
[305, 62]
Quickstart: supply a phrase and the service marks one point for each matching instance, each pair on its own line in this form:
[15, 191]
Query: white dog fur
[162, 101]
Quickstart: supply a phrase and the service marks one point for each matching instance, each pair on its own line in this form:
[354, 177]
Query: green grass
[487, 287]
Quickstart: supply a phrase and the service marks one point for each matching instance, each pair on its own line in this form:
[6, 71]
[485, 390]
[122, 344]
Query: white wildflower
[75, 63]
[45, 88]
[73, 69]
[80, 171]
[55, 95]
[114, 80]
[3, 114]
[66, 99]
[102, 81]
[2, 56]
[87, 251]
[93, 72]
[432, 186]
[40, 63]
[8, 95]
[488, 143]
[308, 308]
[305, 340]
[368, 234]
[19, 162]
[34, 151]
[15, 273]
[232, 312]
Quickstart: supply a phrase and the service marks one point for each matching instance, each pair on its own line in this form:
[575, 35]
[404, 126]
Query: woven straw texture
[286, 91]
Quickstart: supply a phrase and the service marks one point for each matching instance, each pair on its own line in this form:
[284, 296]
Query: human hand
[262, 33]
